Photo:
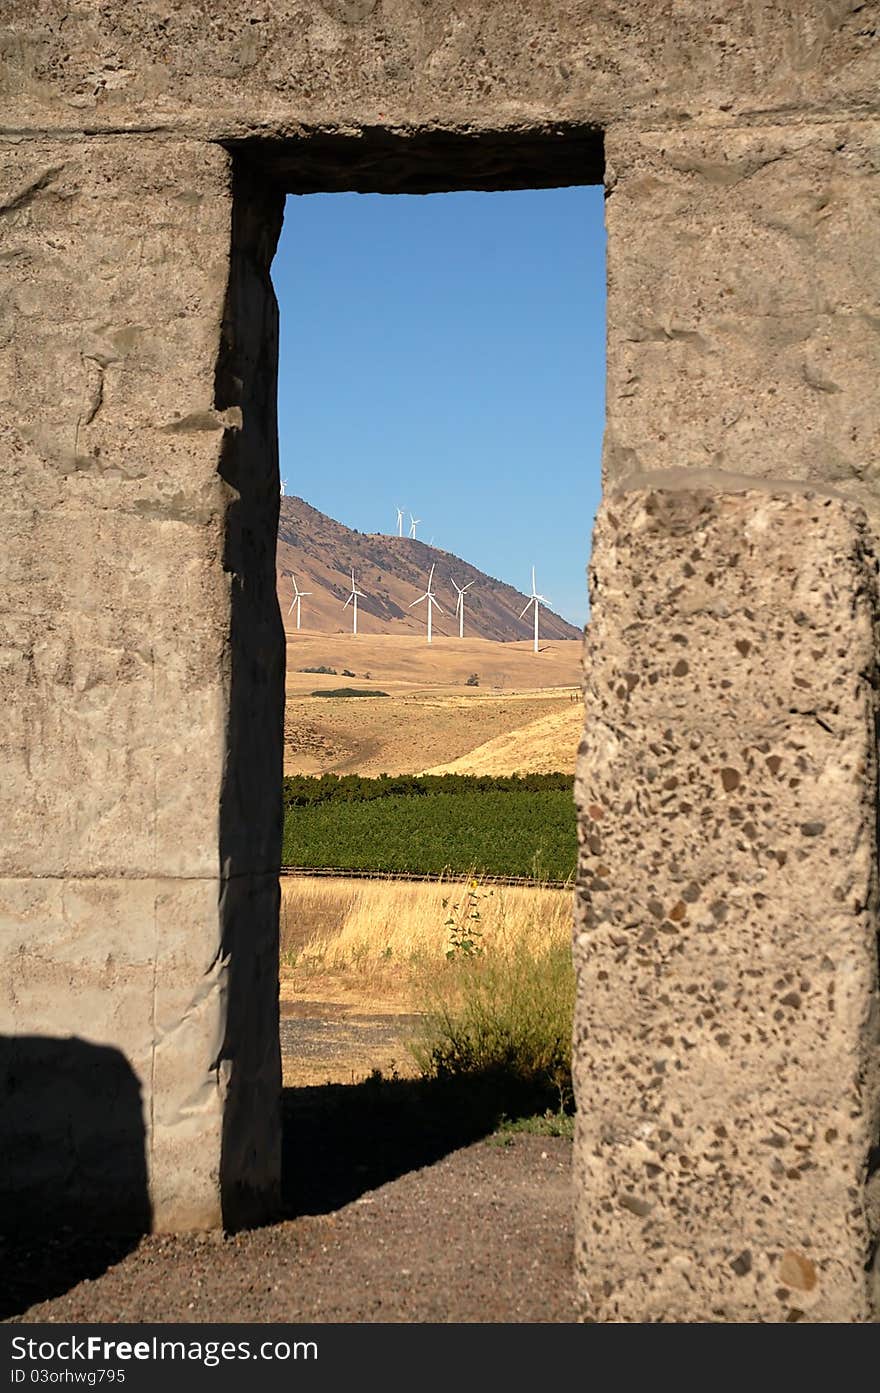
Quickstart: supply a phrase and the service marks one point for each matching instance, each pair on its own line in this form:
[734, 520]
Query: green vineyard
[510, 830]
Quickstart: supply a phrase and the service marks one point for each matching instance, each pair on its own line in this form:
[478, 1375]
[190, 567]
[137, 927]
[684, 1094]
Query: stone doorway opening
[374, 162]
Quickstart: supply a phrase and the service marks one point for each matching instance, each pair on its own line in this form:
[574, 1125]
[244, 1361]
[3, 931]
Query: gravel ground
[482, 1234]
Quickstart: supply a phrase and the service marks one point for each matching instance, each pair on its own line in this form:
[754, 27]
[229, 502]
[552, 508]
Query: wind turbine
[282, 488]
[534, 600]
[297, 597]
[413, 524]
[400, 522]
[459, 604]
[428, 595]
[354, 597]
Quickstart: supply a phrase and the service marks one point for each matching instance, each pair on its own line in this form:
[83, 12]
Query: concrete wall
[144, 154]
[136, 826]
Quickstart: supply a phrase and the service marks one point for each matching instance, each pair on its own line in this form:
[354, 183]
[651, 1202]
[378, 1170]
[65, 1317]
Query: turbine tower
[428, 595]
[534, 599]
[459, 604]
[297, 596]
[354, 597]
[413, 524]
[400, 522]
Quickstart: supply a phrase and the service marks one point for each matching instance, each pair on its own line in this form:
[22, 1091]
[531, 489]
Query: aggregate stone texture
[727, 1059]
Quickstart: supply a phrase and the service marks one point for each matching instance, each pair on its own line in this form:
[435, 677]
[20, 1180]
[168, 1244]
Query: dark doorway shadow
[341, 1140]
[73, 1173]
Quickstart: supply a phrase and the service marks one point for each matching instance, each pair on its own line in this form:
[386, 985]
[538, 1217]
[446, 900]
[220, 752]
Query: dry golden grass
[429, 715]
[406, 734]
[405, 663]
[543, 746]
[369, 936]
[356, 951]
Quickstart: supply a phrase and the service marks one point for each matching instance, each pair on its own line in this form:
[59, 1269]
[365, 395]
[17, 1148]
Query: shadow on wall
[250, 804]
[72, 1160]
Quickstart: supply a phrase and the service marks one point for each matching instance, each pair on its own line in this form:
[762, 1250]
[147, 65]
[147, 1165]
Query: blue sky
[447, 353]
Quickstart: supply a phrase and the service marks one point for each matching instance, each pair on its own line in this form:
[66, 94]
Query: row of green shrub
[349, 692]
[306, 790]
[491, 832]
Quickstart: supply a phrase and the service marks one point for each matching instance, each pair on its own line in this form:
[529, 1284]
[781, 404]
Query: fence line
[449, 877]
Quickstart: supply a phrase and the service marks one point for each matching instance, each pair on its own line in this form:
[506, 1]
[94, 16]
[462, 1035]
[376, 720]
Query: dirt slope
[399, 734]
[542, 746]
[430, 716]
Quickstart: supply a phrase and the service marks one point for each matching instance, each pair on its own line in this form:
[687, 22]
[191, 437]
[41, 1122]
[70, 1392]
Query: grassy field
[407, 663]
[517, 834]
[479, 978]
[545, 744]
[408, 732]
[374, 932]
[450, 979]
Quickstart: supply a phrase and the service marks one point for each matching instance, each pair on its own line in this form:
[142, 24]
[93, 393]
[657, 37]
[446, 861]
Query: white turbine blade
[467, 587]
[419, 600]
[522, 616]
[430, 578]
[435, 604]
[292, 603]
[533, 580]
[304, 592]
[543, 599]
[458, 602]
[348, 601]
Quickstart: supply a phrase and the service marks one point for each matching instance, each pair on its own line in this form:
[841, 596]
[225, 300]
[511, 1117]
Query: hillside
[431, 715]
[541, 746]
[391, 571]
[408, 734]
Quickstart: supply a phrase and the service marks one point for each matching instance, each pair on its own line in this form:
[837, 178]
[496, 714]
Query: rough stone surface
[754, 316]
[214, 68]
[727, 1040]
[140, 636]
[145, 151]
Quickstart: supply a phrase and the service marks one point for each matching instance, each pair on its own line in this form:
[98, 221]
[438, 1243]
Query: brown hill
[540, 746]
[391, 571]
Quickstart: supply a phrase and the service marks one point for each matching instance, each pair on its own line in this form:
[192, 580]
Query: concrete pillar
[727, 1055]
[141, 677]
[743, 285]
